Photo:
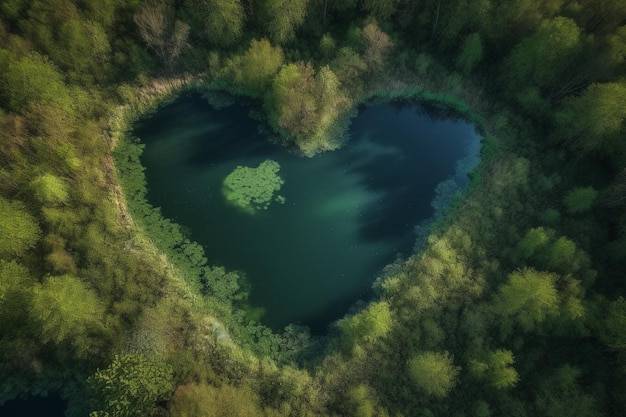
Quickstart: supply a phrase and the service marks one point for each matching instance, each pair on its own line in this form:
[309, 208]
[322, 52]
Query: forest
[513, 306]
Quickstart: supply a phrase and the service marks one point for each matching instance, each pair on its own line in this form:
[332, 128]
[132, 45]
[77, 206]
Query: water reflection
[348, 212]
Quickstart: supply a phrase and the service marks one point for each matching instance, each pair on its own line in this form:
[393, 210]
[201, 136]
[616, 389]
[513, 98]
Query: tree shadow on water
[237, 137]
[402, 176]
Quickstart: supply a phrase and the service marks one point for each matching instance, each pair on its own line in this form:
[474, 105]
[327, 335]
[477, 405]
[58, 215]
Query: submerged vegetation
[514, 306]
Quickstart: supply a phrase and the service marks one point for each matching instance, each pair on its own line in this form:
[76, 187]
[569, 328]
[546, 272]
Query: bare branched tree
[166, 39]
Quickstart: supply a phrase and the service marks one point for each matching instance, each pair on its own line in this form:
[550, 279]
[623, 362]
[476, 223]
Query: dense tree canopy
[18, 228]
[529, 297]
[130, 386]
[433, 372]
[68, 312]
[511, 305]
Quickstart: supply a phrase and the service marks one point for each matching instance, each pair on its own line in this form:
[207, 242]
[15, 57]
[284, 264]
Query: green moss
[252, 189]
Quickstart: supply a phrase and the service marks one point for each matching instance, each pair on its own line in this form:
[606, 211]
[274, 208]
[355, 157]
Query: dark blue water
[347, 213]
[51, 406]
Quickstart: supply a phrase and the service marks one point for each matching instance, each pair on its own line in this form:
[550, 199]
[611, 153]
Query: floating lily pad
[252, 189]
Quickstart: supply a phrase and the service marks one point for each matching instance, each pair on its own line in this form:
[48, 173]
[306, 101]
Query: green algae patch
[252, 189]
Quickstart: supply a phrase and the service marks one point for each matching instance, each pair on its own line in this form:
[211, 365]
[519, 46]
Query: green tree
[13, 9]
[294, 104]
[615, 54]
[330, 99]
[594, 121]
[561, 255]
[377, 47]
[130, 386]
[75, 38]
[67, 311]
[359, 402]
[471, 53]
[580, 199]
[598, 16]
[519, 18]
[221, 21]
[612, 329]
[306, 106]
[380, 9]
[433, 373]
[529, 297]
[16, 284]
[368, 325]
[542, 59]
[83, 49]
[348, 65]
[327, 46]
[254, 70]
[283, 17]
[496, 369]
[49, 189]
[19, 230]
[535, 240]
[29, 78]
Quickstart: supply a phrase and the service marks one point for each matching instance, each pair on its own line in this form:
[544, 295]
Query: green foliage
[541, 248]
[13, 9]
[283, 17]
[536, 239]
[482, 409]
[131, 386]
[49, 189]
[254, 70]
[293, 99]
[327, 46]
[594, 121]
[78, 45]
[60, 66]
[359, 401]
[16, 284]
[367, 326]
[471, 53]
[377, 46]
[380, 9]
[496, 369]
[68, 312]
[252, 189]
[541, 59]
[193, 400]
[226, 286]
[186, 255]
[561, 395]
[529, 297]
[30, 78]
[220, 21]
[84, 50]
[349, 66]
[433, 373]
[612, 327]
[308, 106]
[19, 230]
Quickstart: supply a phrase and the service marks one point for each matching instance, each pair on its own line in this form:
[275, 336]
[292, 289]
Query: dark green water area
[51, 406]
[346, 213]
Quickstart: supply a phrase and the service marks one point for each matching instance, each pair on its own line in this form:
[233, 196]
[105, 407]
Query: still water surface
[51, 406]
[347, 213]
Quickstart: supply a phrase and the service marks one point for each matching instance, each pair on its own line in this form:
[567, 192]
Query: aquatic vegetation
[252, 189]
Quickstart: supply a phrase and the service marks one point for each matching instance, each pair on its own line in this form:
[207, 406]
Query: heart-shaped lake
[345, 214]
